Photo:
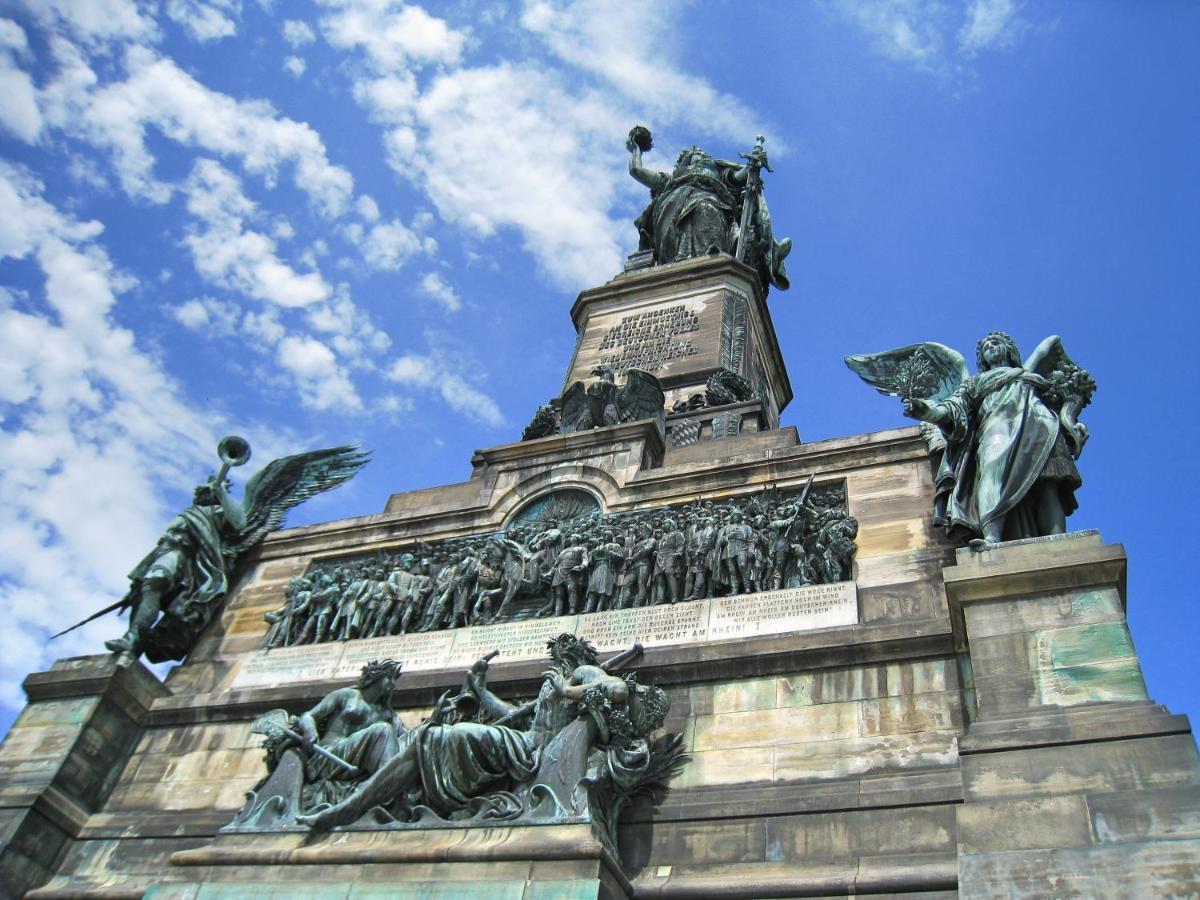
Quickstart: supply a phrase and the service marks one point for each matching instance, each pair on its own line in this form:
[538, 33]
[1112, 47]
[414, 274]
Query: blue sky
[362, 220]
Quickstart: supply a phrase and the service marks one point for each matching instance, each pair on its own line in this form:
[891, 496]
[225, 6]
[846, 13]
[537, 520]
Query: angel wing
[1070, 387]
[287, 482]
[641, 397]
[576, 414]
[928, 371]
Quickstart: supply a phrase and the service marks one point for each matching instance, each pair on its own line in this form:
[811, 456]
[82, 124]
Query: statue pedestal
[532, 862]
[682, 322]
[63, 756]
[1074, 782]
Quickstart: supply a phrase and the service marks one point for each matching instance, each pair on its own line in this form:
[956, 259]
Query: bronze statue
[177, 587]
[1007, 437]
[707, 205]
[582, 747]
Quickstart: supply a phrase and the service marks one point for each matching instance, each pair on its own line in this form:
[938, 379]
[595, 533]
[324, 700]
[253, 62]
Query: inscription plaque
[650, 626]
[719, 619]
[778, 612]
[514, 640]
[416, 651]
[649, 340]
[289, 664]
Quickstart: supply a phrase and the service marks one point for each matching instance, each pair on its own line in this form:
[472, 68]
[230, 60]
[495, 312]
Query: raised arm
[235, 515]
[649, 177]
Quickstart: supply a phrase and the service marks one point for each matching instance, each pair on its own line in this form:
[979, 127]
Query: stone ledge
[914, 872]
[1052, 726]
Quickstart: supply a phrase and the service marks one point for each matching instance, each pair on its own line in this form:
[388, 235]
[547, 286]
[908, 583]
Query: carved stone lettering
[649, 340]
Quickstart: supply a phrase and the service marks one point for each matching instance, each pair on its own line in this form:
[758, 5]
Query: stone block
[743, 765]
[1121, 765]
[1157, 868]
[768, 727]
[853, 833]
[1024, 824]
[915, 712]
[1138, 815]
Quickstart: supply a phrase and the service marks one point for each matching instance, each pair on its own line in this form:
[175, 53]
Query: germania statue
[707, 205]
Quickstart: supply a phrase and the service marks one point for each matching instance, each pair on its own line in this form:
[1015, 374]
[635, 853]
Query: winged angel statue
[177, 587]
[1006, 439]
[603, 402]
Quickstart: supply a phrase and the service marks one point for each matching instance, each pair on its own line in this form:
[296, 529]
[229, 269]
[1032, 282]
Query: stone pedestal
[1074, 782]
[62, 757]
[681, 323]
[543, 862]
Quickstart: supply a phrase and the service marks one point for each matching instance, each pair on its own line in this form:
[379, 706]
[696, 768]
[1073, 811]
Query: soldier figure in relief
[669, 562]
[734, 548]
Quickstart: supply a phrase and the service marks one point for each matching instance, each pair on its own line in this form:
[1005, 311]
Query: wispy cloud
[937, 37]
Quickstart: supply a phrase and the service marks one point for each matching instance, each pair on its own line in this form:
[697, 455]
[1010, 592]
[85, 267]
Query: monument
[656, 647]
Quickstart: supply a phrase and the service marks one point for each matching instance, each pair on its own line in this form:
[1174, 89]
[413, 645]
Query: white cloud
[415, 370]
[932, 36]
[294, 66]
[391, 33]
[94, 436]
[158, 94]
[19, 112]
[322, 382]
[230, 255]
[367, 208]
[630, 46]
[529, 146]
[207, 315]
[435, 287]
[95, 21]
[991, 23]
[389, 245]
[349, 328]
[298, 33]
[206, 20]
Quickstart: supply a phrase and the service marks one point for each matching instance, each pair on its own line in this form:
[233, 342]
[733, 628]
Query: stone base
[522, 863]
[1074, 783]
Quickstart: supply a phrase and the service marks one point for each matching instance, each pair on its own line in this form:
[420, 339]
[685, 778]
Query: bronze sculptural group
[475, 757]
[1006, 439]
[593, 563]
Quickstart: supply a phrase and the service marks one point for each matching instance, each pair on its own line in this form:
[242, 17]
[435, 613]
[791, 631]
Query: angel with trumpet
[176, 588]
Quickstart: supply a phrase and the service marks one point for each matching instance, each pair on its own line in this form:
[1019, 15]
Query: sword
[120, 604]
[271, 724]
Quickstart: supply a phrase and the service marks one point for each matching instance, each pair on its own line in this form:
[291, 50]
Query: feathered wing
[287, 482]
[641, 397]
[928, 371]
[576, 414]
[1070, 387]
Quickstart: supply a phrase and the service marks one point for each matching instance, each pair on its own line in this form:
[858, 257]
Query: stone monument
[657, 647]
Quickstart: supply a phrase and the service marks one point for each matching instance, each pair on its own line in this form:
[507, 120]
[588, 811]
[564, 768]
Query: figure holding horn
[176, 588]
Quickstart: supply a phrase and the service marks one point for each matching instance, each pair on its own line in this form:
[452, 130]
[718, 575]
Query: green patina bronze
[1006, 439]
[705, 205]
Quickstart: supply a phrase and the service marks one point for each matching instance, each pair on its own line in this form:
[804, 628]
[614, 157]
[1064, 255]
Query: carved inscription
[289, 664]
[650, 626]
[719, 619]
[416, 651]
[649, 340]
[514, 640]
[776, 612]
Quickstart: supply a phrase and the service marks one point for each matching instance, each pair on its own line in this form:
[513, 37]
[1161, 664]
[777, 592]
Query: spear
[756, 160]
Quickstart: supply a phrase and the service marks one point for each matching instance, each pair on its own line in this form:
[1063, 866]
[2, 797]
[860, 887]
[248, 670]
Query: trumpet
[234, 450]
